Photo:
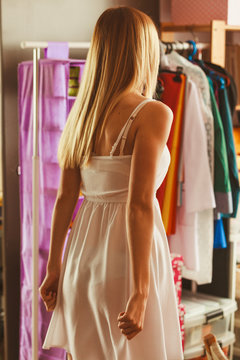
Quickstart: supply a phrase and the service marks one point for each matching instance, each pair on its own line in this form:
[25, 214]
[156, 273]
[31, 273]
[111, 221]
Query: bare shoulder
[155, 118]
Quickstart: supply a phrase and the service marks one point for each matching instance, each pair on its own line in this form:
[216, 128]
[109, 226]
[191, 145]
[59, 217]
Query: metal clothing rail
[192, 46]
[44, 44]
[36, 46]
[181, 46]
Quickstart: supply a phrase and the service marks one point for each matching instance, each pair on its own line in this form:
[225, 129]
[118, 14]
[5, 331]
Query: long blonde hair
[123, 55]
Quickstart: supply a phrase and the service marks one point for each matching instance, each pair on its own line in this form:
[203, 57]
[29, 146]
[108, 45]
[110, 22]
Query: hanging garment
[54, 106]
[220, 241]
[223, 102]
[236, 136]
[232, 160]
[222, 186]
[196, 74]
[174, 85]
[205, 218]
[193, 220]
[231, 89]
[94, 283]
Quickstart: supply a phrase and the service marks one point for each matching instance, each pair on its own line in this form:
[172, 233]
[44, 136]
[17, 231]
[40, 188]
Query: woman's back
[115, 122]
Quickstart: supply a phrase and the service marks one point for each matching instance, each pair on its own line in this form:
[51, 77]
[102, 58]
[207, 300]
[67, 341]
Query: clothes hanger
[193, 50]
[222, 80]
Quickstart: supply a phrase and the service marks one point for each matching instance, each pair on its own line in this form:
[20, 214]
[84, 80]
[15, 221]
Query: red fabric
[177, 264]
[181, 312]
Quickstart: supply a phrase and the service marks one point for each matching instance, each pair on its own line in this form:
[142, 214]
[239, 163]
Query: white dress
[94, 284]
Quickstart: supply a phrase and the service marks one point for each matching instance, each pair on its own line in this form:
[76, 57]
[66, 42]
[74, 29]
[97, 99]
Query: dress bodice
[106, 178]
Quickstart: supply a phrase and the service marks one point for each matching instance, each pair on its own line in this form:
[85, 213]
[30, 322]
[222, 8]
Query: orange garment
[167, 194]
[236, 136]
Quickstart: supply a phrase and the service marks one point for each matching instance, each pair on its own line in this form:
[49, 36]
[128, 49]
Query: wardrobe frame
[218, 30]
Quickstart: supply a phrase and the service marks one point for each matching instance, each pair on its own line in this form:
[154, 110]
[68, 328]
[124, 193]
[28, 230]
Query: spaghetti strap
[124, 131]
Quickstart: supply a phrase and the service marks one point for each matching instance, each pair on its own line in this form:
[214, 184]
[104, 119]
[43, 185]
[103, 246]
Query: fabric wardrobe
[54, 106]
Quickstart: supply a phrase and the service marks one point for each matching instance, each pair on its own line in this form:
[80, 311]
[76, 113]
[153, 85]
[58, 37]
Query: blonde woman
[113, 295]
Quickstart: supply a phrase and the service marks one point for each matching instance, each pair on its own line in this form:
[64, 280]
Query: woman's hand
[131, 321]
[48, 290]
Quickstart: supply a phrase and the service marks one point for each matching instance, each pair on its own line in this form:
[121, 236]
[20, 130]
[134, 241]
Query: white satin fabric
[94, 284]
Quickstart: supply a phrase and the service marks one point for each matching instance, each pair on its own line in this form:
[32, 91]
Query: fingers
[127, 329]
[127, 326]
[123, 317]
[123, 325]
[130, 332]
[50, 300]
[134, 333]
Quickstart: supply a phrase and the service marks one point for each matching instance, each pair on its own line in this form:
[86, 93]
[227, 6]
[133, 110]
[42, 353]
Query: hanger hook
[194, 49]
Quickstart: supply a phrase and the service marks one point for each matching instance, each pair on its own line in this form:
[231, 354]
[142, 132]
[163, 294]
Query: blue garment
[220, 241]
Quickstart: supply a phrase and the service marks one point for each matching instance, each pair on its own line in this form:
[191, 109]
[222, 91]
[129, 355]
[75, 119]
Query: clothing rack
[36, 46]
[217, 30]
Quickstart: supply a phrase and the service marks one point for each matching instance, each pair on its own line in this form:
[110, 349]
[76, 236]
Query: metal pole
[35, 208]
[44, 44]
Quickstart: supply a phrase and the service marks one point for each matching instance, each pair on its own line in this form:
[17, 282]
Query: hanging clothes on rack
[196, 228]
[196, 74]
[197, 188]
[231, 88]
[219, 83]
[54, 106]
[215, 99]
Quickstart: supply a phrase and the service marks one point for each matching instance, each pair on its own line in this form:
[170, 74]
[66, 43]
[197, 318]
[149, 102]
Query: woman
[115, 282]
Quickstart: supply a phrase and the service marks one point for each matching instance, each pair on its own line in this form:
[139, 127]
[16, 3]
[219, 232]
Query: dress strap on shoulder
[124, 132]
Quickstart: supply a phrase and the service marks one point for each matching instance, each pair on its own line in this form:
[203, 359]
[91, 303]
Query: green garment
[222, 186]
[231, 153]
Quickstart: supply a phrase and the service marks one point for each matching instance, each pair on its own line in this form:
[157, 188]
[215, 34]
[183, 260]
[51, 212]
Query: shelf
[169, 27]
[217, 29]
[232, 27]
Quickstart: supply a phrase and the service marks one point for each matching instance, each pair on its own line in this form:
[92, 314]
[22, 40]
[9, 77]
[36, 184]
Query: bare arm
[150, 140]
[66, 200]
[65, 203]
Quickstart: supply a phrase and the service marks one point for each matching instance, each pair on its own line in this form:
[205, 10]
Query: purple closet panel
[54, 106]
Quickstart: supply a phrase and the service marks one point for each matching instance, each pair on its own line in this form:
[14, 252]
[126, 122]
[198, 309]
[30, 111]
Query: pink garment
[197, 194]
